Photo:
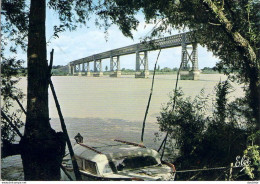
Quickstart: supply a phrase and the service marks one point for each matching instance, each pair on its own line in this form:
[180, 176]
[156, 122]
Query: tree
[41, 148]
[175, 69]
[40, 162]
[166, 69]
[205, 140]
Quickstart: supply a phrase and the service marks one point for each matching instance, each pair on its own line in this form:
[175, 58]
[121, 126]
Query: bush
[199, 139]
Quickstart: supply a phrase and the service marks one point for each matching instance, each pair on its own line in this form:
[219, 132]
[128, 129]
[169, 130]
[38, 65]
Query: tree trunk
[42, 147]
[250, 60]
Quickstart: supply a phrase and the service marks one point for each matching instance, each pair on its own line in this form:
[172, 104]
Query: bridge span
[82, 67]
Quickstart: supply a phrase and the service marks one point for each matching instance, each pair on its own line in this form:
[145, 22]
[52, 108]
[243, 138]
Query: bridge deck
[161, 43]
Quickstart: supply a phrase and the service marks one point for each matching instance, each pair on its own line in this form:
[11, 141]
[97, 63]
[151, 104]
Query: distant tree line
[61, 70]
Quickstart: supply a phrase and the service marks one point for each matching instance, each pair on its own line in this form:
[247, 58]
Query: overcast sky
[88, 41]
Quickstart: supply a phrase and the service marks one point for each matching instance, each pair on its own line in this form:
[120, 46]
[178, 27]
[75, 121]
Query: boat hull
[90, 177]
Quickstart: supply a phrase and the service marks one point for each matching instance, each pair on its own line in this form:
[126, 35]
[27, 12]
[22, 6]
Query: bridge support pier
[79, 70]
[195, 69]
[71, 69]
[98, 68]
[83, 71]
[76, 70]
[185, 73]
[141, 61]
[88, 74]
[116, 64]
[189, 75]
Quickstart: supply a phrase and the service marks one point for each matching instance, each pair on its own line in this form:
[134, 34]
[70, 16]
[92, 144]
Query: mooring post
[230, 172]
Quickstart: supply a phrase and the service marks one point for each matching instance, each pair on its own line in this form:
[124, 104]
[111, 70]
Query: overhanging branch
[237, 37]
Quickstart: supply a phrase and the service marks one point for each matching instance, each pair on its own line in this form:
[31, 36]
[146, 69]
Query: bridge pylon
[115, 63]
[71, 69]
[186, 72]
[98, 68]
[79, 70]
[88, 74]
[141, 61]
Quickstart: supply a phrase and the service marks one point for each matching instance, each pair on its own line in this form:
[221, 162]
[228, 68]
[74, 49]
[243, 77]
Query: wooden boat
[117, 160]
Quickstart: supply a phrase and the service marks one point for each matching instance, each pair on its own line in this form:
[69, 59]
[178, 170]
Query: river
[109, 108]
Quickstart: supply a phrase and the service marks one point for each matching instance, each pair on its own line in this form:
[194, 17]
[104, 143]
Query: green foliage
[221, 101]
[186, 123]
[166, 69]
[208, 70]
[14, 24]
[60, 70]
[77, 12]
[10, 77]
[203, 138]
[253, 170]
[253, 153]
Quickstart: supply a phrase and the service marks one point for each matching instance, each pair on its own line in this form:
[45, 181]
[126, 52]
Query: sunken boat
[117, 160]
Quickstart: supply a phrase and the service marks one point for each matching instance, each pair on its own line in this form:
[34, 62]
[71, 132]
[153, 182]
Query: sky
[86, 41]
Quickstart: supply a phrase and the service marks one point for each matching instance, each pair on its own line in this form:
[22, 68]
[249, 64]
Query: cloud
[88, 41]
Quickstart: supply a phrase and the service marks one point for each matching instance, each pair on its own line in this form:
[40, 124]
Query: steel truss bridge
[81, 66]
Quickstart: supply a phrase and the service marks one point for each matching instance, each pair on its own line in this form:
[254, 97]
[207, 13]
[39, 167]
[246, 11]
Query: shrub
[199, 138]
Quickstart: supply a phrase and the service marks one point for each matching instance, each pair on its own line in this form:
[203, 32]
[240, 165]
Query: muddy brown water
[108, 108]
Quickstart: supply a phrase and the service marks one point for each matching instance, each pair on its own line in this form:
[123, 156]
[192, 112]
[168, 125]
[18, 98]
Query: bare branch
[21, 106]
[11, 124]
[214, 24]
